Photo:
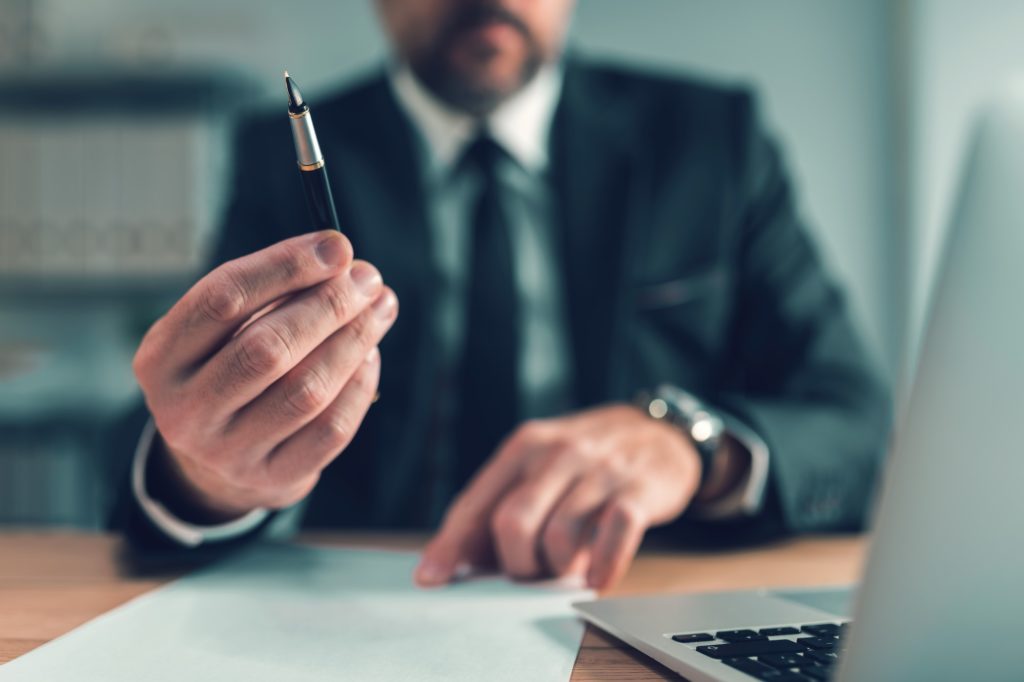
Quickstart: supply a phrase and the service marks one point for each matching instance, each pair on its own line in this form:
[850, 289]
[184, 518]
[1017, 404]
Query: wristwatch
[689, 414]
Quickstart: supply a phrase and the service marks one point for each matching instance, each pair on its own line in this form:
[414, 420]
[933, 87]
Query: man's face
[475, 53]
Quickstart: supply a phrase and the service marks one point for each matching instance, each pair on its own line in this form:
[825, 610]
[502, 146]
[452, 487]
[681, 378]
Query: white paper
[288, 612]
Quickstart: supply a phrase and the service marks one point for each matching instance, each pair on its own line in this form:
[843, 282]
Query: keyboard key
[739, 636]
[822, 630]
[693, 637]
[753, 668]
[823, 657]
[818, 672]
[823, 643]
[783, 661]
[775, 632]
[742, 649]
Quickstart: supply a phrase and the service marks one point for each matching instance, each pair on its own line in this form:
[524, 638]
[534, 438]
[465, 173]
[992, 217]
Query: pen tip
[295, 103]
[286, 74]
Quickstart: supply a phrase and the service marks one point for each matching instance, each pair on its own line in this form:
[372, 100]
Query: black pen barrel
[317, 189]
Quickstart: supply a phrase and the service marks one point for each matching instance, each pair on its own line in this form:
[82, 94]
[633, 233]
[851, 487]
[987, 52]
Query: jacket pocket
[681, 290]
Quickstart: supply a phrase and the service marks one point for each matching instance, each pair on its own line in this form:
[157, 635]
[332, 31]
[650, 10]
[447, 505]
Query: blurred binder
[107, 177]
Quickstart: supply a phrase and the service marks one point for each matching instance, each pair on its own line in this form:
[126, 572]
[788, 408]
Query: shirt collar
[521, 124]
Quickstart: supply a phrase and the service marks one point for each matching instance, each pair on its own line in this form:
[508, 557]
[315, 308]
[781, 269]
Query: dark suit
[683, 262]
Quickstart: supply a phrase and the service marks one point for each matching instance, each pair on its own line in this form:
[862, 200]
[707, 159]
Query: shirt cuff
[182, 532]
[747, 496]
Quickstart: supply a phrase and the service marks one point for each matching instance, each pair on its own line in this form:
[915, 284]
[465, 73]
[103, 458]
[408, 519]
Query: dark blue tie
[488, 371]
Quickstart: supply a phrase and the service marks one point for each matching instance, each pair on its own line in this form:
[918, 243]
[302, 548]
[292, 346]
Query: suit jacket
[683, 262]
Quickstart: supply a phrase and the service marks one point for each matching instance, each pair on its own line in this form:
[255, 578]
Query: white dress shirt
[522, 126]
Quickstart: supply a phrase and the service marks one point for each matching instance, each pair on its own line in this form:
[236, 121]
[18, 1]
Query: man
[562, 237]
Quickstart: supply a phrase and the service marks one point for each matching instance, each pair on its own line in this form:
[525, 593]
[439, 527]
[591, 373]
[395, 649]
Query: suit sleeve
[244, 229]
[799, 374]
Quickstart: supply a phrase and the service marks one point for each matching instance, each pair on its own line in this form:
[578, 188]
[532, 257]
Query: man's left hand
[567, 495]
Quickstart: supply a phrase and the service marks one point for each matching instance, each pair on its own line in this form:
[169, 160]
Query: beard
[471, 87]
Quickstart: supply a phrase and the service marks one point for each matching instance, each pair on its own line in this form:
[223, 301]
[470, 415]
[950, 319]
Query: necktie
[488, 371]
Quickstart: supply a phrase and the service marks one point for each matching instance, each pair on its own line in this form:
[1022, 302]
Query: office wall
[959, 55]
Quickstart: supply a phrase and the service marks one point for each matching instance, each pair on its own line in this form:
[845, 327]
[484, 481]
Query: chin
[495, 78]
[477, 80]
[493, 83]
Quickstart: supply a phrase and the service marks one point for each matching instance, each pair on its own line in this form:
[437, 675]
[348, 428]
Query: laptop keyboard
[779, 654]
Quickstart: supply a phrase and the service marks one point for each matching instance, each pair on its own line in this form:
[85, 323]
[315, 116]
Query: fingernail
[384, 306]
[431, 573]
[366, 278]
[372, 356]
[330, 251]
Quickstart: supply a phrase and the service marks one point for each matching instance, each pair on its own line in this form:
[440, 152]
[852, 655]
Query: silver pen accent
[307, 149]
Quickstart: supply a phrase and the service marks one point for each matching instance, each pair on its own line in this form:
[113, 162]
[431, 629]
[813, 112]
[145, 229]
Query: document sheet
[289, 612]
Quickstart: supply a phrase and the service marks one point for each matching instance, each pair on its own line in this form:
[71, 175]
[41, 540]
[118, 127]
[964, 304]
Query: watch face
[702, 430]
[706, 427]
[657, 408]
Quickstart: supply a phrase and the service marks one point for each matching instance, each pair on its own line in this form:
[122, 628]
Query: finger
[465, 534]
[272, 345]
[317, 444]
[620, 529]
[307, 389]
[447, 556]
[569, 529]
[464, 537]
[270, 307]
[519, 517]
[222, 300]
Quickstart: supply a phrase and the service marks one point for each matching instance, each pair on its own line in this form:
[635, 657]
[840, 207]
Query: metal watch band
[683, 410]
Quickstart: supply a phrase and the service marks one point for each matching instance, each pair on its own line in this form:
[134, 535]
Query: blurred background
[115, 117]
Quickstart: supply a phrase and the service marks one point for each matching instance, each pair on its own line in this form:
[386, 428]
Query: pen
[311, 162]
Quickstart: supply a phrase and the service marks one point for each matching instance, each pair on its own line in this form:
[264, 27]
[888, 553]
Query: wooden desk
[53, 582]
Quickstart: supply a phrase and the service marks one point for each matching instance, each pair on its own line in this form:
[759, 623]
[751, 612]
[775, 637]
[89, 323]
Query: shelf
[128, 288]
[134, 92]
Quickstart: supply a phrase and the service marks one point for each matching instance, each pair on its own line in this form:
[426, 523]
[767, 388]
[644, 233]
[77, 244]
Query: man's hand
[263, 371]
[570, 495]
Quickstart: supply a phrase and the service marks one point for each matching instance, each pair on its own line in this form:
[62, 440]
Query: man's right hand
[261, 374]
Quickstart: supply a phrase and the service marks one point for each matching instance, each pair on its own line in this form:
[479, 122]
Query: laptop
[943, 592]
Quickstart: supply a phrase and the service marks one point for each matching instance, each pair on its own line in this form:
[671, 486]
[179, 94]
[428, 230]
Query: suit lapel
[377, 171]
[593, 177]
